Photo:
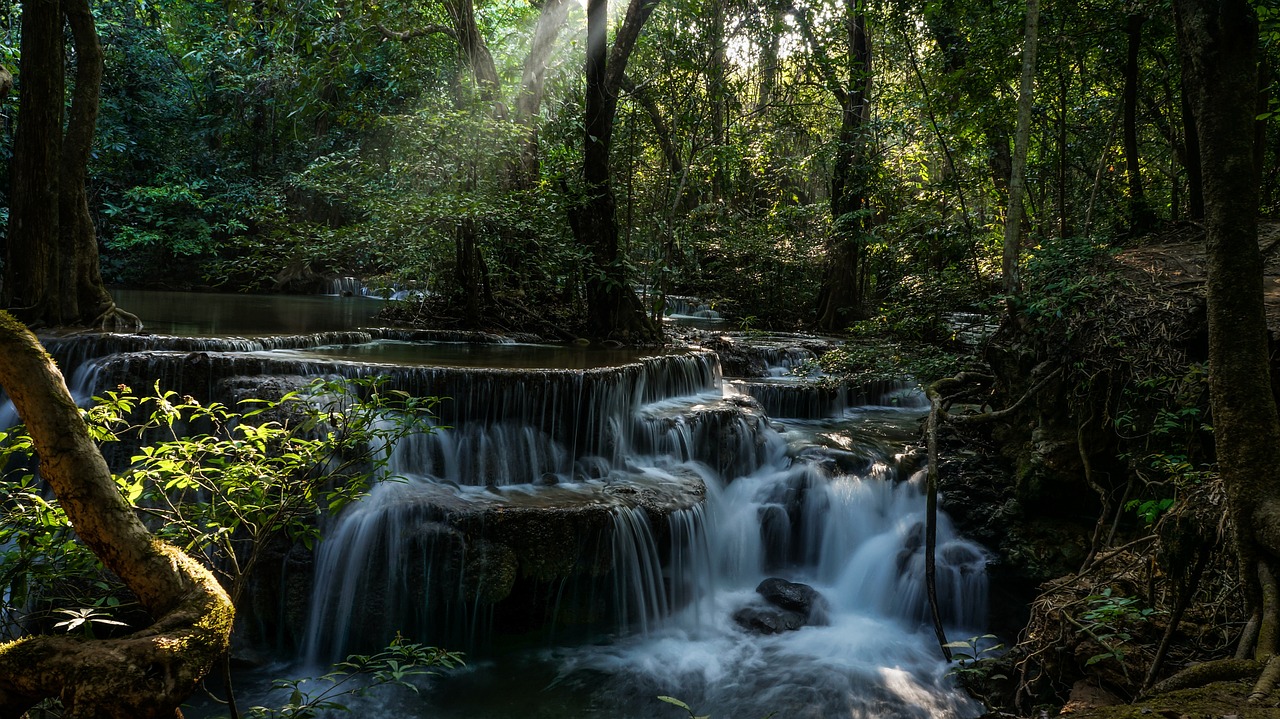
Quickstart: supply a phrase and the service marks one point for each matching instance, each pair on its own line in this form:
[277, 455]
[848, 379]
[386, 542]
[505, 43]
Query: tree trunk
[1218, 41]
[717, 96]
[551, 19]
[1140, 216]
[51, 272]
[840, 299]
[147, 673]
[463, 16]
[1191, 141]
[33, 283]
[1022, 137]
[89, 298]
[613, 310]
[769, 54]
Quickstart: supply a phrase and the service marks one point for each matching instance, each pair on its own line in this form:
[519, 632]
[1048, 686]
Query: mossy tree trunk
[145, 674]
[1218, 41]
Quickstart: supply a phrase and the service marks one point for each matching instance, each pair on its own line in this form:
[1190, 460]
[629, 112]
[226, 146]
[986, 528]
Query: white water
[857, 538]
[773, 507]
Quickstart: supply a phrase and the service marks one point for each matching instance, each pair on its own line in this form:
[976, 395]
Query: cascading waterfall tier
[641, 502]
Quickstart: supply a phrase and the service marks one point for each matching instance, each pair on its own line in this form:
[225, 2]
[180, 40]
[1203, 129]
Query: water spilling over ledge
[616, 509]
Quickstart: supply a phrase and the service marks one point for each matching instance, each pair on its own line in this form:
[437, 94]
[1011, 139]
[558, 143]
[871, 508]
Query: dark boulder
[788, 606]
[794, 597]
[768, 620]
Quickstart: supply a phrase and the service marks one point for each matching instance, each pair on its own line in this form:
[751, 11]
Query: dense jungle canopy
[872, 170]
[799, 163]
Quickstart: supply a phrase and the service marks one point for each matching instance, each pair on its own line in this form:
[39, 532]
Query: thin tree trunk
[1022, 136]
[1140, 216]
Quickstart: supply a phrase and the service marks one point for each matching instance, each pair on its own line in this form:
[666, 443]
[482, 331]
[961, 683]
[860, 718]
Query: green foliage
[358, 675]
[969, 655]
[862, 363]
[1060, 282]
[220, 483]
[224, 492]
[692, 714]
[1110, 620]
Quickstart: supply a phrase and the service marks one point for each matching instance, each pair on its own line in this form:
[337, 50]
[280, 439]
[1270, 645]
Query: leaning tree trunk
[151, 671]
[1218, 40]
[89, 298]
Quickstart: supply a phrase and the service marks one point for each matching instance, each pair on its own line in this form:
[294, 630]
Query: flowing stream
[590, 526]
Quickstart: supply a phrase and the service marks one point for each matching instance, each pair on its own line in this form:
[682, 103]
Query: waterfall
[621, 512]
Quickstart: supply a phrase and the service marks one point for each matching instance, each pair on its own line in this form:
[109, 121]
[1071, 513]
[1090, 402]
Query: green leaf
[675, 702]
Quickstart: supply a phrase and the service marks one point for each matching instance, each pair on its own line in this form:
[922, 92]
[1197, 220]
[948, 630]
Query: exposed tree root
[1269, 618]
[114, 319]
[144, 675]
[1200, 674]
[1175, 618]
[1267, 680]
[961, 385]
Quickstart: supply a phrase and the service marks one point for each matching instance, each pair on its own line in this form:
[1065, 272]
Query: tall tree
[1219, 44]
[520, 172]
[1021, 140]
[844, 281]
[51, 268]
[613, 310]
[151, 671]
[1140, 215]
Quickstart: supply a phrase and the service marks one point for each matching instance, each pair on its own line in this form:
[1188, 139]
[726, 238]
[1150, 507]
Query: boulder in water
[789, 606]
[795, 597]
[768, 619]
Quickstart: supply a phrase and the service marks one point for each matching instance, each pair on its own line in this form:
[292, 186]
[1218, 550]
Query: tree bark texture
[840, 299]
[51, 271]
[462, 15]
[1022, 137]
[32, 281]
[551, 20]
[147, 673]
[613, 310]
[1218, 41]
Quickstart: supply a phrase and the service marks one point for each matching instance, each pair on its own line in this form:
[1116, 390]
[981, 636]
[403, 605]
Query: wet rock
[768, 620]
[788, 606]
[792, 596]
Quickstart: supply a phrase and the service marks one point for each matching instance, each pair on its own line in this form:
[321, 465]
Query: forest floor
[1176, 259]
[1140, 314]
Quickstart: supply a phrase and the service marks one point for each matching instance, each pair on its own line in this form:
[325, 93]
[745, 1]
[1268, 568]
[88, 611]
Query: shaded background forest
[275, 145]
